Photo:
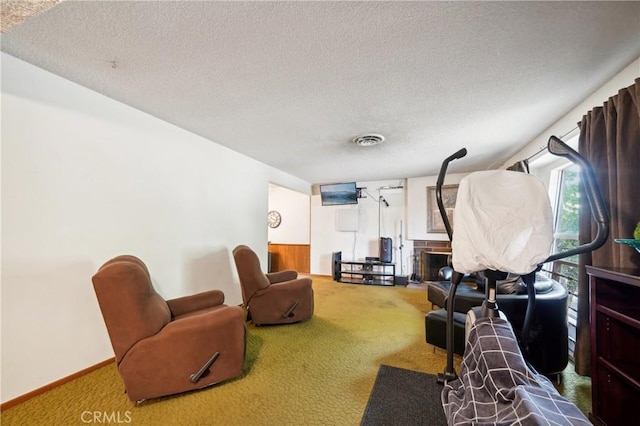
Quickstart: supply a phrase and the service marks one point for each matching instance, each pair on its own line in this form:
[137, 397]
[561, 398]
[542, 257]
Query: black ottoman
[549, 336]
[435, 323]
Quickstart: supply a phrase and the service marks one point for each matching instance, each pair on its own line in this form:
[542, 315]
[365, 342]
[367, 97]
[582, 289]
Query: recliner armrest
[186, 304]
[285, 289]
[280, 276]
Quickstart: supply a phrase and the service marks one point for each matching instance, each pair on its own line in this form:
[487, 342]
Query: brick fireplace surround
[429, 257]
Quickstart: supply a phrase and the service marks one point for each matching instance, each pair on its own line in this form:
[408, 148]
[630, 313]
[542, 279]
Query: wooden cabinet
[615, 344]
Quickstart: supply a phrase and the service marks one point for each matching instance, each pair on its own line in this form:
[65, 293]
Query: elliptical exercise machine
[523, 248]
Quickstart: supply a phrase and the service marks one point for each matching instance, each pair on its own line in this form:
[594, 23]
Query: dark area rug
[404, 397]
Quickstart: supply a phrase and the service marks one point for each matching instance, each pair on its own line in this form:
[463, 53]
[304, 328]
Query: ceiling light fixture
[368, 140]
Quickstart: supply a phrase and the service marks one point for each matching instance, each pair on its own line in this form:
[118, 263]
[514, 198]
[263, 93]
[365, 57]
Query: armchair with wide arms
[164, 347]
[272, 298]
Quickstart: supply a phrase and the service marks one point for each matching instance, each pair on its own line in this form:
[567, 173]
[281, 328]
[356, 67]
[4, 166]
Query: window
[563, 180]
[566, 207]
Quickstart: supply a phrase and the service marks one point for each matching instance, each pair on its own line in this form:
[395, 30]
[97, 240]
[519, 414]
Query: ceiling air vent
[368, 140]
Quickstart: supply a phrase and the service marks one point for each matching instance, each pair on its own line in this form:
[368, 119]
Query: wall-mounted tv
[337, 194]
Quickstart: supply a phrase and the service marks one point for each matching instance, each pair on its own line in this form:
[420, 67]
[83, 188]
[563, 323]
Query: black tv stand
[369, 272]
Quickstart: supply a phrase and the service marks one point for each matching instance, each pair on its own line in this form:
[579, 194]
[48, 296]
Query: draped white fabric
[502, 221]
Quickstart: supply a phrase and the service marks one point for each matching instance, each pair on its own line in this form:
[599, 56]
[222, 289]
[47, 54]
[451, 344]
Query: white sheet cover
[502, 221]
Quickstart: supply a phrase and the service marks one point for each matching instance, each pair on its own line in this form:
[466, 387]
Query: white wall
[86, 178]
[295, 209]
[326, 239]
[417, 205]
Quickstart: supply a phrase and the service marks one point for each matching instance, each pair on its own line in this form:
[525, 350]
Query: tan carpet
[318, 372]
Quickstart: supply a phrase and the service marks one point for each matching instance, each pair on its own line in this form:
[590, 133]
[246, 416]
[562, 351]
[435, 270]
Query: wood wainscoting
[290, 256]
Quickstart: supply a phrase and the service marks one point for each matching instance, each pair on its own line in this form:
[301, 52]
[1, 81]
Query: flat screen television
[337, 194]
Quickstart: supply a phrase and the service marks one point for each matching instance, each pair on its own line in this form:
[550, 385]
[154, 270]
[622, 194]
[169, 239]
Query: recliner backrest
[252, 278]
[131, 308]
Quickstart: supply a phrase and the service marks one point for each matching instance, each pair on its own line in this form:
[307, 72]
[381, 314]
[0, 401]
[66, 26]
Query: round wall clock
[274, 219]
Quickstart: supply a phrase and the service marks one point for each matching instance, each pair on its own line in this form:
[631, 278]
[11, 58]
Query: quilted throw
[497, 387]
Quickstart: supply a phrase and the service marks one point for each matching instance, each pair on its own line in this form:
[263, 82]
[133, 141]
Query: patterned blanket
[497, 387]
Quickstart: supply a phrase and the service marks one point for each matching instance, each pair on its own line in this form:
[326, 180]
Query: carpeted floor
[419, 286]
[408, 397]
[318, 372]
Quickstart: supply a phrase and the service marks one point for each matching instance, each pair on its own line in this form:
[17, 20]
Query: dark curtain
[520, 166]
[610, 141]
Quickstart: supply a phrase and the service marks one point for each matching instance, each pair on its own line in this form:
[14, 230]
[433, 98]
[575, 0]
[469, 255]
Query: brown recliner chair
[167, 347]
[273, 298]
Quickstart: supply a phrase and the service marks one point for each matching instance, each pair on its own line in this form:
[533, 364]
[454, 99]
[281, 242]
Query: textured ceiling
[15, 12]
[291, 83]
